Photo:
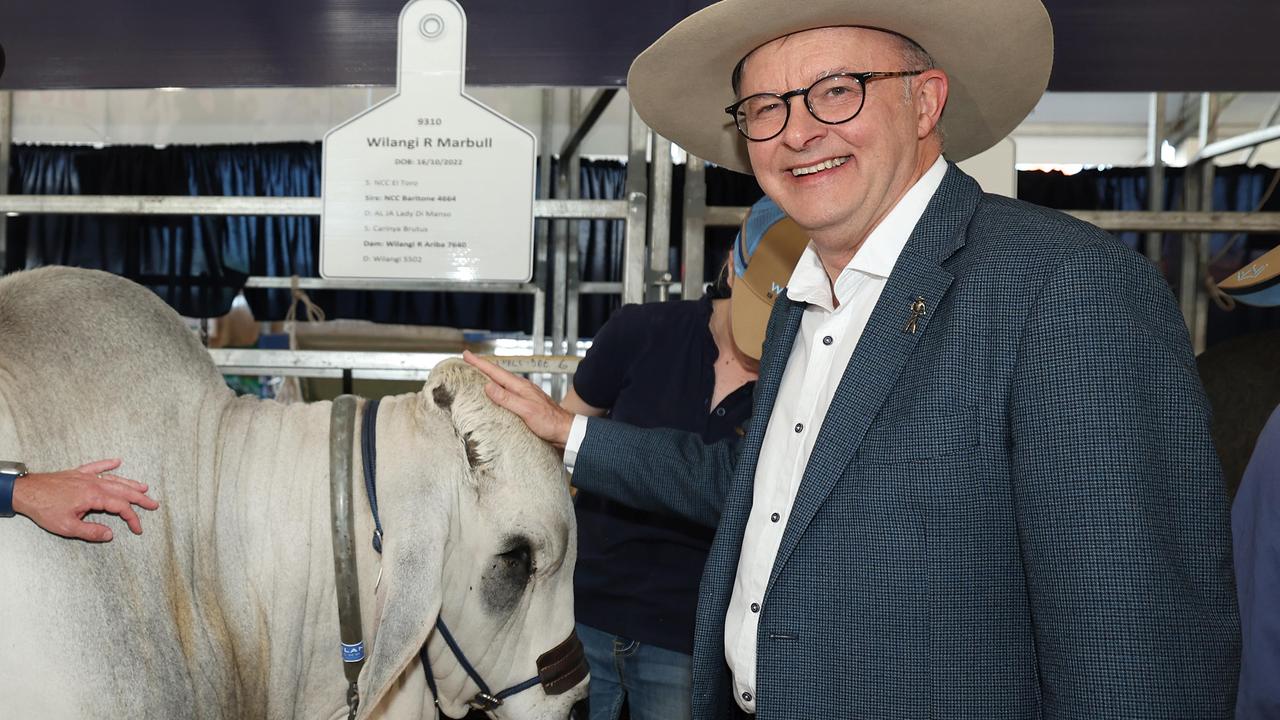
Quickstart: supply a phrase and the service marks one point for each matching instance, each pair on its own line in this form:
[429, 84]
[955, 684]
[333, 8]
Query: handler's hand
[544, 417]
[58, 501]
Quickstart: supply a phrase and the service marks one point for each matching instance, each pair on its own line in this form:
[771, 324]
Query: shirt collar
[879, 252]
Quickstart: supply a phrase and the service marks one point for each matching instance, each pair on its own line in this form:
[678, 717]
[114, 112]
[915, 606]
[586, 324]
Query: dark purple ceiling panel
[1165, 45]
[1102, 45]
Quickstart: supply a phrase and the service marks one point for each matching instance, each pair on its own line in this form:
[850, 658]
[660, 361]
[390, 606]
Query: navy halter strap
[369, 458]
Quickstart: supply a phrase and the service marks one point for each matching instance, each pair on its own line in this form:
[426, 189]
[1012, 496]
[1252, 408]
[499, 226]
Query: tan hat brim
[768, 271]
[997, 54]
[749, 313]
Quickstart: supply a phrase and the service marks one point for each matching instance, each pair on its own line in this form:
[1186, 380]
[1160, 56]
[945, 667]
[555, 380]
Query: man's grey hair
[914, 57]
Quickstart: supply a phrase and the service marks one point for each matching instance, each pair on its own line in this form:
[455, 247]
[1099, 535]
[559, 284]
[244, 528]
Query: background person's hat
[764, 255]
[1257, 283]
[997, 53]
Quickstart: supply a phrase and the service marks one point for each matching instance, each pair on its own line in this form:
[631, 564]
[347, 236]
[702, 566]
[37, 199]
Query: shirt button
[755, 607]
[746, 696]
[719, 412]
[774, 517]
[799, 427]
[828, 340]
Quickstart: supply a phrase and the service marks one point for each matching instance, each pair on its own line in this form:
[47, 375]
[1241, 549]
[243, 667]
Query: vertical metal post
[633, 255]
[1200, 329]
[1155, 177]
[566, 168]
[660, 219]
[539, 331]
[695, 227]
[6, 144]
[1188, 270]
[1209, 133]
[1193, 299]
[560, 259]
[572, 230]
[1267, 121]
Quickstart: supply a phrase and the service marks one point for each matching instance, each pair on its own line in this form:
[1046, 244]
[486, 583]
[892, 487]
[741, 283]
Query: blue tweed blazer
[1014, 512]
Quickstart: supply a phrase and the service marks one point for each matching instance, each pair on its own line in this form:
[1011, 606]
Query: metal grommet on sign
[431, 26]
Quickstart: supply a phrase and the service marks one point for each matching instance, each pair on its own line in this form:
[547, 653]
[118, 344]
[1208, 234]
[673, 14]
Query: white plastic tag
[429, 184]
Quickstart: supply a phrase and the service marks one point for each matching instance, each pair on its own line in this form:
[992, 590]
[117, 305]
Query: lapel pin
[917, 311]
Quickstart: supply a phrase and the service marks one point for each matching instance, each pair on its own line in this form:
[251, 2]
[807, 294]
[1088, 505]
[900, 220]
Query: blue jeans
[656, 683]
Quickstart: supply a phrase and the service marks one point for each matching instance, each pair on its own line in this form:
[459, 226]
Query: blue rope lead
[368, 447]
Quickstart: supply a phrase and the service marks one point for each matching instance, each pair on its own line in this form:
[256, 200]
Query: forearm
[659, 470]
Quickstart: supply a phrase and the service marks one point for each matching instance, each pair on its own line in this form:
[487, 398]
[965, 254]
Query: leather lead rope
[351, 631]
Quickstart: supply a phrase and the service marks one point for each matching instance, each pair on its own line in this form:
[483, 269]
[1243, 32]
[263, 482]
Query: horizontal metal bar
[1181, 222]
[725, 216]
[1239, 142]
[260, 282]
[717, 215]
[265, 206]
[1111, 220]
[600, 288]
[615, 288]
[385, 365]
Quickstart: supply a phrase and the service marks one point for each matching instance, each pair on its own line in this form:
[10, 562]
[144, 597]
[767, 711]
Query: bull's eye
[519, 560]
[506, 580]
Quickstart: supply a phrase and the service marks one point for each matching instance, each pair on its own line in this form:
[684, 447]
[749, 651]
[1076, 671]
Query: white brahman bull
[225, 606]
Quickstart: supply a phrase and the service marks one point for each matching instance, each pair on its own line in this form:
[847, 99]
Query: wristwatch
[9, 472]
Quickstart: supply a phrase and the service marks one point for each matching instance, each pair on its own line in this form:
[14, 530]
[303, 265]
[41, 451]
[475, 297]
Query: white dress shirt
[825, 343]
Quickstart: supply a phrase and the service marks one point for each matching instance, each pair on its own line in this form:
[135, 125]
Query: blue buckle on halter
[353, 652]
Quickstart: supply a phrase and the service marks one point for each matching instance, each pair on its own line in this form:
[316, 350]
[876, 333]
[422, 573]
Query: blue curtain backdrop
[1235, 189]
[197, 264]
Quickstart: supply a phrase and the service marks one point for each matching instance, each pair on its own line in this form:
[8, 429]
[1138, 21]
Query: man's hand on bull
[544, 417]
[58, 501]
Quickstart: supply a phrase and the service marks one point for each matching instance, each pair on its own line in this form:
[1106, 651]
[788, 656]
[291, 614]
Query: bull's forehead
[533, 508]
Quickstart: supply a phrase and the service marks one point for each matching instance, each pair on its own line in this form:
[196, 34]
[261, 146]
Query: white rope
[290, 390]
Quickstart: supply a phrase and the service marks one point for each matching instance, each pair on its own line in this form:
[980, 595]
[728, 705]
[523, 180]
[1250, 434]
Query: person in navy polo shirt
[671, 365]
[1255, 526]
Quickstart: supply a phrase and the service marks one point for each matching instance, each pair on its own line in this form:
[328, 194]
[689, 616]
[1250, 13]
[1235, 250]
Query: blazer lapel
[883, 349]
[722, 563]
[784, 323]
[710, 676]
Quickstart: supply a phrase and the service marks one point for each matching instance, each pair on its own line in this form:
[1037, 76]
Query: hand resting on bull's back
[539, 412]
[58, 501]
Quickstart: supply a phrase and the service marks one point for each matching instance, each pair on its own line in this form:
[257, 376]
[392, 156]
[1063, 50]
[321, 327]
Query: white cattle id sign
[429, 184]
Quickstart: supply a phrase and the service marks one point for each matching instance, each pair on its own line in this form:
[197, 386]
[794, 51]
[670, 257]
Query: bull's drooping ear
[411, 578]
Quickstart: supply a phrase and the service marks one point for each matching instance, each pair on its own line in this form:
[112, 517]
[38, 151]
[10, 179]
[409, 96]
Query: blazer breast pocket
[919, 438]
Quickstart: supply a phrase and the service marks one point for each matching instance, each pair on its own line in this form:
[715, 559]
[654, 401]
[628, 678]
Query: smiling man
[979, 481]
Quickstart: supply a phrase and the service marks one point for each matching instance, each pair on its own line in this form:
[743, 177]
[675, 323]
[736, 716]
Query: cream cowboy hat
[997, 53]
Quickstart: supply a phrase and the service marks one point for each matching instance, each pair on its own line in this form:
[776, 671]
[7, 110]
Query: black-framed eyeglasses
[832, 100]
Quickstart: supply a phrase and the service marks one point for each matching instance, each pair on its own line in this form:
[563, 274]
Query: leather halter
[559, 669]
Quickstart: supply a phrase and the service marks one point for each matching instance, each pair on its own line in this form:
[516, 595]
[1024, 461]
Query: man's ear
[931, 91]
